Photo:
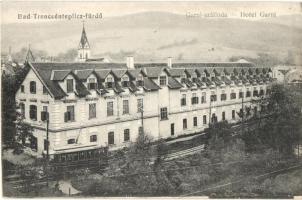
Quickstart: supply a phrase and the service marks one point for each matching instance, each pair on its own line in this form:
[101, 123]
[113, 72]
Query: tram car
[93, 158]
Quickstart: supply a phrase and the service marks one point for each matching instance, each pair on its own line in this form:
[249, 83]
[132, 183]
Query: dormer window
[162, 80]
[125, 81]
[92, 84]
[202, 75]
[140, 81]
[212, 74]
[194, 79]
[69, 85]
[109, 82]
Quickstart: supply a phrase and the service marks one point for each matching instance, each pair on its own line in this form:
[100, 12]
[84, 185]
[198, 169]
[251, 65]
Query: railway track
[184, 153]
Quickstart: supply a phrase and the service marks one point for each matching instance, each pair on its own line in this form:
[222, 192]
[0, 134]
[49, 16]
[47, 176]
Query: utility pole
[242, 121]
[142, 119]
[210, 111]
[47, 137]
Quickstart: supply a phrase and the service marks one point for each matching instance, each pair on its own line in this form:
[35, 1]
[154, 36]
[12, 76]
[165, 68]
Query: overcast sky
[10, 10]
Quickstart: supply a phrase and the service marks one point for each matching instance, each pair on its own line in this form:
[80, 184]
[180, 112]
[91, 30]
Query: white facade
[83, 127]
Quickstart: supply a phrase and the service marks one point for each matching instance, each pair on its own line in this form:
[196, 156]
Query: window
[92, 84]
[163, 113]
[125, 107]
[233, 114]
[233, 95]
[110, 108]
[69, 115]
[71, 141]
[203, 97]
[44, 90]
[125, 81]
[248, 93]
[126, 135]
[140, 81]
[109, 82]
[22, 109]
[240, 94]
[172, 129]
[213, 96]
[22, 88]
[194, 99]
[69, 85]
[93, 138]
[204, 119]
[195, 121]
[44, 113]
[184, 124]
[194, 80]
[111, 138]
[140, 105]
[261, 92]
[183, 100]
[162, 80]
[92, 110]
[223, 96]
[223, 115]
[32, 85]
[33, 112]
[255, 93]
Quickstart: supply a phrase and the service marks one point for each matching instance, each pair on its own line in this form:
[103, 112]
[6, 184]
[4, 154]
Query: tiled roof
[83, 74]
[153, 72]
[190, 71]
[103, 73]
[119, 72]
[132, 87]
[177, 72]
[51, 73]
[59, 75]
[173, 83]
[81, 90]
[212, 65]
[134, 72]
[150, 84]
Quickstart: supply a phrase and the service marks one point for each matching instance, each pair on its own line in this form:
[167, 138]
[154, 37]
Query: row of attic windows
[109, 83]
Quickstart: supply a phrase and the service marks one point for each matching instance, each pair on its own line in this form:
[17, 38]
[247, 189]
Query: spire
[84, 44]
[29, 56]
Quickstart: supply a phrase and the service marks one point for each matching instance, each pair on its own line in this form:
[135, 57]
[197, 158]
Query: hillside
[156, 35]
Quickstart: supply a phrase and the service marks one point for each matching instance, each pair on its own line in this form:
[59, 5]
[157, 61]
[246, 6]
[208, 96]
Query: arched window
[32, 86]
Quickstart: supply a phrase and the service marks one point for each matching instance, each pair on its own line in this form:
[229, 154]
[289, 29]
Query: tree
[281, 130]
[219, 131]
[23, 129]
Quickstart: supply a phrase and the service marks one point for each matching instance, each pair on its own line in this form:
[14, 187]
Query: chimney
[169, 62]
[130, 62]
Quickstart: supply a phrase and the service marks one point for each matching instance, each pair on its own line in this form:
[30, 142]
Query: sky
[11, 9]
